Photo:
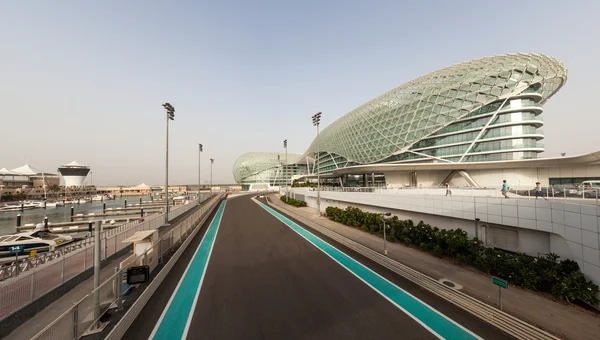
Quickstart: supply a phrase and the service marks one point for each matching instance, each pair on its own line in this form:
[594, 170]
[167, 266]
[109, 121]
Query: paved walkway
[568, 322]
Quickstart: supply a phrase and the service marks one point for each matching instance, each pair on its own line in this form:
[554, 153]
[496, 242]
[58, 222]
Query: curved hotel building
[465, 124]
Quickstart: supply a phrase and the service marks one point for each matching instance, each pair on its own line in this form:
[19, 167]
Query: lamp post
[286, 170]
[199, 153]
[316, 118]
[384, 237]
[170, 116]
[211, 164]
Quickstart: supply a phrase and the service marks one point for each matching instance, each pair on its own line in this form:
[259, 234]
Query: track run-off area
[254, 273]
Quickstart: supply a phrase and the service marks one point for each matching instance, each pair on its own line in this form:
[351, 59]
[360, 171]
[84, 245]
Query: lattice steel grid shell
[391, 123]
[252, 163]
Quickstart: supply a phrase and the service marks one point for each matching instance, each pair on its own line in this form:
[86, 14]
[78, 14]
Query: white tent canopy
[143, 186]
[5, 171]
[26, 170]
[74, 163]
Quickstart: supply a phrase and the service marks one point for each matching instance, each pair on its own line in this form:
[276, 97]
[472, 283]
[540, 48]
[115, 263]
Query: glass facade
[450, 114]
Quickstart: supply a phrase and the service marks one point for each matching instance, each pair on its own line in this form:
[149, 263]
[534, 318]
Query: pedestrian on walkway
[505, 189]
[448, 191]
[538, 191]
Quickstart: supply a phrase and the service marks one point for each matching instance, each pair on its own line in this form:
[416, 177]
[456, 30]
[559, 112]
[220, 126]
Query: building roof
[391, 123]
[254, 162]
[143, 186]
[74, 164]
[5, 171]
[26, 170]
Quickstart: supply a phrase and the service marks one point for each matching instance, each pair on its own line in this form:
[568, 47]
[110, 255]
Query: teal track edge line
[434, 321]
[174, 322]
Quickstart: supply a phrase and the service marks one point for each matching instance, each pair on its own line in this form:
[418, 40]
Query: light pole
[199, 153]
[170, 116]
[211, 164]
[384, 237]
[286, 170]
[316, 118]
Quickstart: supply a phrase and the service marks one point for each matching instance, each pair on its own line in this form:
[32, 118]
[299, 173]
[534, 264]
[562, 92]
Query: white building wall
[571, 230]
[522, 178]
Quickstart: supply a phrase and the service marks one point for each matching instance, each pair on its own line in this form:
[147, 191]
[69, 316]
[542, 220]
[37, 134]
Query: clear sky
[85, 80]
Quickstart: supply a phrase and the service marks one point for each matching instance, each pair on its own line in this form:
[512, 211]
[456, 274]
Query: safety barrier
[84, 316]
[505, 322]
[17, 292]
[123, 325]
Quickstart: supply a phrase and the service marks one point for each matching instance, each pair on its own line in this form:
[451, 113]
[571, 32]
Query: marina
[120, 206]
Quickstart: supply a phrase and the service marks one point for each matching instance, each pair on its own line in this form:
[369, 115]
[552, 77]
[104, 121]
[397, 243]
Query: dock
[116, 213]
[82, 225]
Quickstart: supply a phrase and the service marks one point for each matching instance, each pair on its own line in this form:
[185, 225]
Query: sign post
[16, 250]
[502, 284]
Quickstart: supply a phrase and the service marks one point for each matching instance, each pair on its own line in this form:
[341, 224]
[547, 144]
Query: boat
[101, 198]
[26, 205]
[40, 240]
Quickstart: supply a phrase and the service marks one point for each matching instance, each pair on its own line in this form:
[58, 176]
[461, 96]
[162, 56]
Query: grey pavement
[565, 321]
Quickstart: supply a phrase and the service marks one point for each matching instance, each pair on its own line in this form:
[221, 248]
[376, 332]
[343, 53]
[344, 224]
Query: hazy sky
[85, 80]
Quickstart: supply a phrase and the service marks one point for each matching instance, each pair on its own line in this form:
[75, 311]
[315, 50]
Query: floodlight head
[200, 145]
[212, 160]
[285, 143]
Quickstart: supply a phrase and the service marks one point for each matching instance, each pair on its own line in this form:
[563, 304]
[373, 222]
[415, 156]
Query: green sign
[499, 282]
[16, 249]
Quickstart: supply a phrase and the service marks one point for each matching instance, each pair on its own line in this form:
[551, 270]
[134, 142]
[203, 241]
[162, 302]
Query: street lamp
[211, 164]
[286, 170]
[316, 119]
[384, 237]
[199, 153]
[170, 116]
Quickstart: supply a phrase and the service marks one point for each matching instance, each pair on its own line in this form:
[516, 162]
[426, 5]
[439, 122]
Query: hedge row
[547, 274]
[292, 201]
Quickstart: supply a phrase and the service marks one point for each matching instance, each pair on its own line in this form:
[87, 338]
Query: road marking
[175, 319]
[437, 323]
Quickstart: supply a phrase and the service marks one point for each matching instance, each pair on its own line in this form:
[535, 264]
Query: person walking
[448, 191]
[505, 189]
[538, 191]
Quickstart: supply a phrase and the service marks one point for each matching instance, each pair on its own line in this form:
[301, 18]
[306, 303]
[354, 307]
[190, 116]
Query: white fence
[18, 291]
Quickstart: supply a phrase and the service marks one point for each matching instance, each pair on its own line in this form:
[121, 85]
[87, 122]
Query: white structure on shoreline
[74, 174]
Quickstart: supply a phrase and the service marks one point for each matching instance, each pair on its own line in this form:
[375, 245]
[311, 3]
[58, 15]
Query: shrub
[562, 279]
[292, 201]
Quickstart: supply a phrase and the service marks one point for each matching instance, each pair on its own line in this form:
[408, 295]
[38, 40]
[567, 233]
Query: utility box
[143, 242]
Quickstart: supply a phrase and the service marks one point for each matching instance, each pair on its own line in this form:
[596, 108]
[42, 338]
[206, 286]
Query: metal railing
[20, 289]
[588, 196]
[83, 316]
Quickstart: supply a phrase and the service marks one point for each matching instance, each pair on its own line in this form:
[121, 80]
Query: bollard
[45, 221]
[90, 228]
[142, 212]
[72, 213]
[22, 206]
[104, 207]
[151, 198]
[78, 200]
[18, 220]
[140, 201]
[44, 204]
[125, 203]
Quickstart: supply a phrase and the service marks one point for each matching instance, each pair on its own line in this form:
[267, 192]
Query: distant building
[74, 174]
[26, 177]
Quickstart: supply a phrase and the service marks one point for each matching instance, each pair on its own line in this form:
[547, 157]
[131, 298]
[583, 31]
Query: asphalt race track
[261, 279]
